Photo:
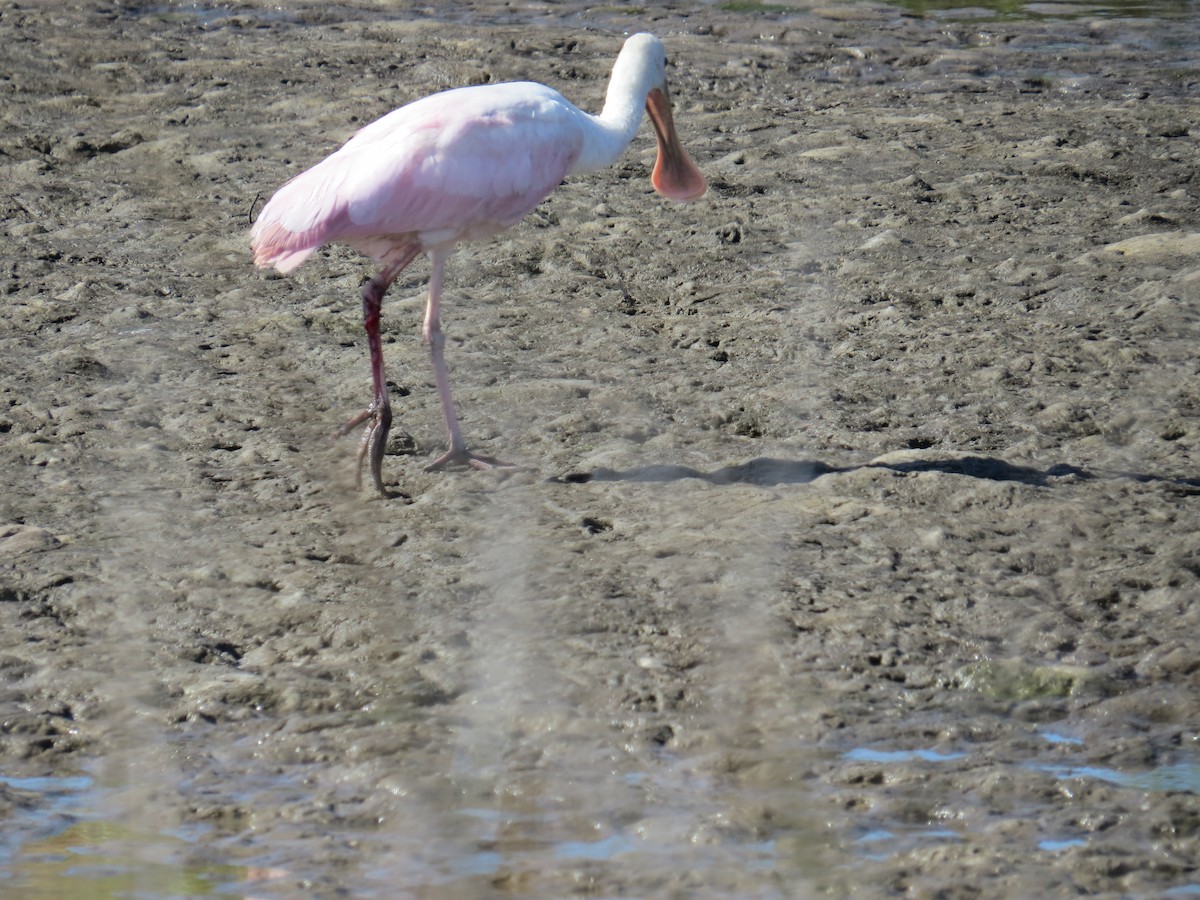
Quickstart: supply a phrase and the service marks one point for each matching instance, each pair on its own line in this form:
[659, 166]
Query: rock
[17, 539]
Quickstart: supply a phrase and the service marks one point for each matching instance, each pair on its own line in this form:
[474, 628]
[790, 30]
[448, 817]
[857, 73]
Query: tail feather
[296, 222]
[274, 245]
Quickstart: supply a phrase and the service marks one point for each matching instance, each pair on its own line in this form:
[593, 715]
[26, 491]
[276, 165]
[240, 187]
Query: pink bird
[458, 166]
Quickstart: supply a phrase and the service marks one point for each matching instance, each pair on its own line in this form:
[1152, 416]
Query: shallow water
[216, 14]
[957, 10]
[491, 823]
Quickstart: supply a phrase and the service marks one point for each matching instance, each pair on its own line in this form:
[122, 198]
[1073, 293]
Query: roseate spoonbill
[458, 166]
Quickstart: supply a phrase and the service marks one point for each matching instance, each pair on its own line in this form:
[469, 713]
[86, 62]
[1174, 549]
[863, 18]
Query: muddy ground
[854, 544]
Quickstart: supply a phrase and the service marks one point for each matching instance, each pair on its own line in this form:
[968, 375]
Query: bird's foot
[461, 456]
[350, 424]
[373, 444]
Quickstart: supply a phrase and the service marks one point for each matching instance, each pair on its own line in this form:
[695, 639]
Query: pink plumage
[458, 166]
[455, 166]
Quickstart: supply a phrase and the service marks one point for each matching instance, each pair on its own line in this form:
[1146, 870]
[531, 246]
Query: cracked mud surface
[854, 545]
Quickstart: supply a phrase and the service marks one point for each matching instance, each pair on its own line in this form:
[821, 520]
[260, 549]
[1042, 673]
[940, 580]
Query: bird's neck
[624, 105]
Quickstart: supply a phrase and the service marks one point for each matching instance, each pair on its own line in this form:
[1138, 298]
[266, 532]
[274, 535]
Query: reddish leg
[374, 439]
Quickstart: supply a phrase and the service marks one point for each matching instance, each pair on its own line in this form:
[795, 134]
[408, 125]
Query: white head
[640, 74]
[643, 53]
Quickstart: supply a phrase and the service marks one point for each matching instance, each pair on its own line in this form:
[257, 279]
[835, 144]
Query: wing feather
[453, 166]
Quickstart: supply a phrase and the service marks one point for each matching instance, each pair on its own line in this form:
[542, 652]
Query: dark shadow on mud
[762, 471]
[767, 472]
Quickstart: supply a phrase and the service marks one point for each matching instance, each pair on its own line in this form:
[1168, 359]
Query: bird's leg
[374, 439]
[432, 334]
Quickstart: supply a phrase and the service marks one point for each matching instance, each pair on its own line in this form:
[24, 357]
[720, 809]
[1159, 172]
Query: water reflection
[101, 859]
[1056, 9]
[215, 14]
[1183, 777]
[881, 843]
[1055, 846]
[1055, 738]
[862, 754]
[67, 841]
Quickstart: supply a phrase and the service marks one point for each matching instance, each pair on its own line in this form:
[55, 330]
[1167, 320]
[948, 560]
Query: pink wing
[454, 166]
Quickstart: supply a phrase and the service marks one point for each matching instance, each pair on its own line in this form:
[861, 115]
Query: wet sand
[854, 545]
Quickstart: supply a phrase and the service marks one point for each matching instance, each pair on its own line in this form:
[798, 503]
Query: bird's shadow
[770, 472]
